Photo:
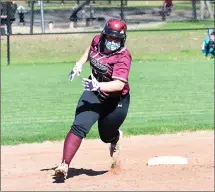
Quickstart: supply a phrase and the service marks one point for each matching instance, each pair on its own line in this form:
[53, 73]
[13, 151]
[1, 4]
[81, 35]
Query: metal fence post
[42, 16]
[8, 49]
[122, 11]
[163, 13]
[8, 34]
[32, 17]
[194, 9]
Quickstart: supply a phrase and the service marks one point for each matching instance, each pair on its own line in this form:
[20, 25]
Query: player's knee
[106, 139]
[79, 131]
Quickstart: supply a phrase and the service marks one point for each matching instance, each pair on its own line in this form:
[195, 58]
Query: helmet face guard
[107, 31]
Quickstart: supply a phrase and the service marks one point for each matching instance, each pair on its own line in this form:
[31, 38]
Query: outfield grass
[38, 101]
[188, 24]
[172, 85]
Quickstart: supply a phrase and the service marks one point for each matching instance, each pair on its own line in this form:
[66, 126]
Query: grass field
[38, 102]
[188, 24]
[172, 85]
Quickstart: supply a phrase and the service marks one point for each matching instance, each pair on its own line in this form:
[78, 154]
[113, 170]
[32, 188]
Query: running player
[106, 95]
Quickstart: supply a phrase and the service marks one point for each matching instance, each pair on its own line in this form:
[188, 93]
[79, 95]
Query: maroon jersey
[108, 67]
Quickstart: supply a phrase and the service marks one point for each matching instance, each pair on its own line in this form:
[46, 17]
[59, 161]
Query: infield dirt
[31, 166]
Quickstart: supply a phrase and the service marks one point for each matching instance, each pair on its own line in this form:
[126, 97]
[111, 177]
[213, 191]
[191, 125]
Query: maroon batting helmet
[117, 28]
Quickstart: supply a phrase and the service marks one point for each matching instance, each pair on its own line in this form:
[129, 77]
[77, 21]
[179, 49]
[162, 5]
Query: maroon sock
[71, 145]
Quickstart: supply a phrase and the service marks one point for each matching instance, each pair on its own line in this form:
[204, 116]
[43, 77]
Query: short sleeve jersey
[208, 47]
[108, 67]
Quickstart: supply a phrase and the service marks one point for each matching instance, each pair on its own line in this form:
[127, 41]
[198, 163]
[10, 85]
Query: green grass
[189, 24]
[172, 85]
[38, 101]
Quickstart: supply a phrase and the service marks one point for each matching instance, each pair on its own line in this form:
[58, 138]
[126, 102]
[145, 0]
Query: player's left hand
[90, 84]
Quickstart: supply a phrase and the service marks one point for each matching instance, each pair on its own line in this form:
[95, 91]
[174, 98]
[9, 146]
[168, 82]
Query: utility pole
[42, 16]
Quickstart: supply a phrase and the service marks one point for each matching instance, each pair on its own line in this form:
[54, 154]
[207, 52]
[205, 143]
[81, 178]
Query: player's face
[112, 43]
[212, 37]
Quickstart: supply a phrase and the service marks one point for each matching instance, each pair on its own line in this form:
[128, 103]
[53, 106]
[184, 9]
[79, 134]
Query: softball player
[208, 46]
[106, 95]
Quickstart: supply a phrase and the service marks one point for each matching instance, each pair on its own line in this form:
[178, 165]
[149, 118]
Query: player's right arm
[79, 64]
[84, 58]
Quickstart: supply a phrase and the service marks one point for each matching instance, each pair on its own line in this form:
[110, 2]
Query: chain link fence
[67, 48]
[58, 31]
[28, 17]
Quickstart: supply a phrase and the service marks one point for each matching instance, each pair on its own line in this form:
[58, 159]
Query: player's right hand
[75, 71]
[90, 84]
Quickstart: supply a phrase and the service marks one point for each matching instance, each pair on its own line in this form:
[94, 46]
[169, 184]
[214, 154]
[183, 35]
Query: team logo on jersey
[98, 67]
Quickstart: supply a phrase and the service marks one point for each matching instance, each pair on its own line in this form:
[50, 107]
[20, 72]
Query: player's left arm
[120, 76]
[112, 86]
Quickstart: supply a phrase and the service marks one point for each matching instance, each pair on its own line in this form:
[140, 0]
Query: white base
[167, 160]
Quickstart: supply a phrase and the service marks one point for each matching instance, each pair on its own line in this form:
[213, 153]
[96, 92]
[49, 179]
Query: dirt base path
[30, 166]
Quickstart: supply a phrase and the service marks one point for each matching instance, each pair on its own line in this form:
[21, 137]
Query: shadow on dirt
[75, 172]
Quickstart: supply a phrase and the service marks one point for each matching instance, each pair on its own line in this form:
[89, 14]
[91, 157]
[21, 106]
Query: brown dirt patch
[30, 166]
